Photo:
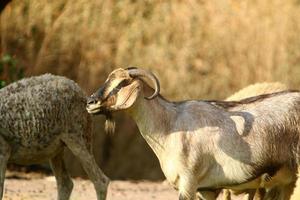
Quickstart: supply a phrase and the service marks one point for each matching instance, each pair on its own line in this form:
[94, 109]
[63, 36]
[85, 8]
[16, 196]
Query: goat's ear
[127, 96]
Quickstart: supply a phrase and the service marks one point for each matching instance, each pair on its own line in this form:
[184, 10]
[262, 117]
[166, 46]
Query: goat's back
[270, 126]
[253, 136]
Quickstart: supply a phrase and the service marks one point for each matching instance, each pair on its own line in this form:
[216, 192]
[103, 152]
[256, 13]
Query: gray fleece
[36, 111]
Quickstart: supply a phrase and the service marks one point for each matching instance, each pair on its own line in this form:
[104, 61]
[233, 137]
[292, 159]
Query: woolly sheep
[257, 89]
[40, 116]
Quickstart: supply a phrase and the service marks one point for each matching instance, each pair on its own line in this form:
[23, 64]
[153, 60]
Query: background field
[198, 49]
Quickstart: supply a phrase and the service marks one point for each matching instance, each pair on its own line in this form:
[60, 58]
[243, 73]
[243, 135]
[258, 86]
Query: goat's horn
[135, 72]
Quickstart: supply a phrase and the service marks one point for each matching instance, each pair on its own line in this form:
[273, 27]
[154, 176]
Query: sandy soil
[45, 189]
[37, 187]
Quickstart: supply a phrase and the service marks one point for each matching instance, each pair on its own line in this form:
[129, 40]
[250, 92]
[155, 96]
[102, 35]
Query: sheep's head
[120, 91]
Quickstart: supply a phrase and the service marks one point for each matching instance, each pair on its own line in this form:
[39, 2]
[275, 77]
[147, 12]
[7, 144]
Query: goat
[205, 145]
[249, 91]
[40, 116]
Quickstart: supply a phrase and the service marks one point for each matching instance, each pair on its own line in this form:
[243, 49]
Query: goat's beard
[110, 124]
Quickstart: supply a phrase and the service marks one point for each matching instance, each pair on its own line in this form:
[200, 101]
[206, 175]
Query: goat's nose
[91, 100]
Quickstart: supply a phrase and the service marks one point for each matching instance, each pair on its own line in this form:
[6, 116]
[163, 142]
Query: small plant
[9, 71]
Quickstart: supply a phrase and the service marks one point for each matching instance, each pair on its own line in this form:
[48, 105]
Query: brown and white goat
[204, 145]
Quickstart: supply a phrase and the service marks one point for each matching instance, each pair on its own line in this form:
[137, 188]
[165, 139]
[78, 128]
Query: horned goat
[204, 145]
[40, 116]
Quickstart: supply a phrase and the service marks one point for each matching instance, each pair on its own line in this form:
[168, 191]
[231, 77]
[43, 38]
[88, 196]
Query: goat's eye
[121, 84]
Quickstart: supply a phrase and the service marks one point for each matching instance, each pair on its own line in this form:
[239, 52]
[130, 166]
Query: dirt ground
[38, 187]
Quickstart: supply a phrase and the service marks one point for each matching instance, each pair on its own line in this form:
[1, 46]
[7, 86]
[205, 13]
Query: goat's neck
[153, 118]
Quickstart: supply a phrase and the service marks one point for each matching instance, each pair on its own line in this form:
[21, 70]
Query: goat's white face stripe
[112, 83]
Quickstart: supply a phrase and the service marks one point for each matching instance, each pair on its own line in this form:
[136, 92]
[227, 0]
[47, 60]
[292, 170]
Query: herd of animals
[248, 143]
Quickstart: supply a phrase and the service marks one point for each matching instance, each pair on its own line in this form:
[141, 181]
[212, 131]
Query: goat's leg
[286, 191]
[280, 192]
[187, 189]
[226, 194]
[259, 194]
[183, 197]
[95, 174]
[63, 180]
[207, 195]
[4, 155]
[249, 195]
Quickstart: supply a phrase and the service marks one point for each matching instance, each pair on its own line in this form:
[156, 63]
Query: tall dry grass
[198, 49]
[218, 45]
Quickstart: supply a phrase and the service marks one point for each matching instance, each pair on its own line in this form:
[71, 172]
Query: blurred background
[204, 49]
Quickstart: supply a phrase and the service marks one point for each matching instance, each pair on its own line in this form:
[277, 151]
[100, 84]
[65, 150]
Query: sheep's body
[203, 145]
[257, 89]
[36, 111]
[40, 116]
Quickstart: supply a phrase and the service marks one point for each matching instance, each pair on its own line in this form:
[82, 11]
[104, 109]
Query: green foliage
[9, 70]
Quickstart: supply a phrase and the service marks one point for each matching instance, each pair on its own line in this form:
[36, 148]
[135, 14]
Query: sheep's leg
[63, 180]
[4, 155]
[95, 174]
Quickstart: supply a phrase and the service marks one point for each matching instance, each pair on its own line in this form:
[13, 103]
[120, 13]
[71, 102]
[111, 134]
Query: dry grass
[198, 49]
[218, 45]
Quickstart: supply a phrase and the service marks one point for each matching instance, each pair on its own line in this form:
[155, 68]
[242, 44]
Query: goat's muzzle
[93, 106]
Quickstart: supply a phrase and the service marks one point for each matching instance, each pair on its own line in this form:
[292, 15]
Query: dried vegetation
[198, 49]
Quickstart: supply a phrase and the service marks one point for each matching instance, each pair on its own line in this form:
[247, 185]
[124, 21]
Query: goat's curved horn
[135, 72]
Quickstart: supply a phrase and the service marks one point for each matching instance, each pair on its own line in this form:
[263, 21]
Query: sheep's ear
[126, 97]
